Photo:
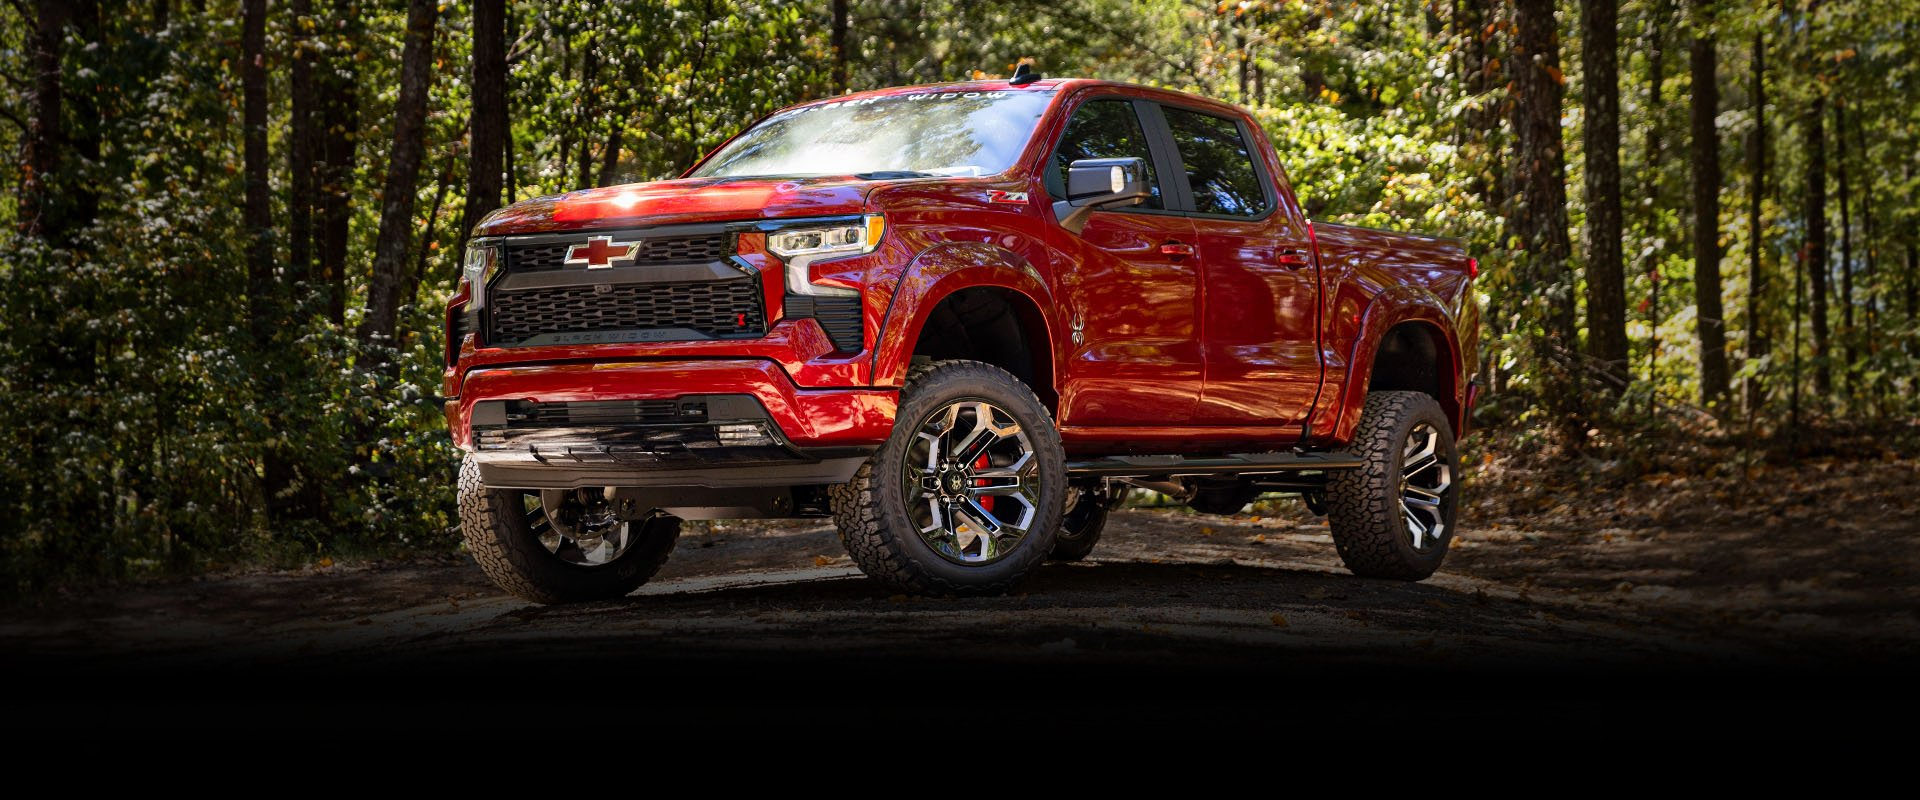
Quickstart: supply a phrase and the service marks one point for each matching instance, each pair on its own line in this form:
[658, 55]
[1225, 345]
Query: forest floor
[1768, 571]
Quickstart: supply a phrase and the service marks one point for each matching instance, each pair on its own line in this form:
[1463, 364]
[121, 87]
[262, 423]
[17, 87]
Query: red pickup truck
[960, 320]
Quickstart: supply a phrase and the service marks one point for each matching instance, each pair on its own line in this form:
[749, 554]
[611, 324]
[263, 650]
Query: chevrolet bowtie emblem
[601, 252]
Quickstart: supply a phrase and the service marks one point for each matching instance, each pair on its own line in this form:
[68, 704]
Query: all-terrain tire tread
[876, 547]
[486, 526]
[1363, 507]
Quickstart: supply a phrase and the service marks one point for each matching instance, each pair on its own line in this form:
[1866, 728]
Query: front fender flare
[940, 271]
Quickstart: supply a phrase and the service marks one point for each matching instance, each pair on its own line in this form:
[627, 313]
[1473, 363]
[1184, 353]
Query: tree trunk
[403, 173]
[1537, 214]
[80, 186]
[40, 205]
[511, 176]
[1473, 24]
[1815, 260]
[257, 213]
[588, 116]
[610, 156]
[1913, 262]
[302, 143]
[1869, 275]
[837, 38]
[1606, 281]
[1246, 58]
[418, 275]
[486, 162]
[1652, 187]
[1710, 314]
[1758, 344]
[1843, 342]
[339, 152]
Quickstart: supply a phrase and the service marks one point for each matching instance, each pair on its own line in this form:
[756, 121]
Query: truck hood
[686, 200]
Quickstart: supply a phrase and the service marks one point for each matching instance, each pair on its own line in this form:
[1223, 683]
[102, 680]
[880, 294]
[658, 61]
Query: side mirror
[1100, 183]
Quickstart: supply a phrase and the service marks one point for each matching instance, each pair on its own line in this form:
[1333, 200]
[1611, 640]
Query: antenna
[1023, 75]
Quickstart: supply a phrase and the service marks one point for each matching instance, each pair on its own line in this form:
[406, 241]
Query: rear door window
[1103, 129]
[1219, 164]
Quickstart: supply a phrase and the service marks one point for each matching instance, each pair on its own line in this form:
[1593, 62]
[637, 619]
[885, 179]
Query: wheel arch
[970, 281]
[1407, 342]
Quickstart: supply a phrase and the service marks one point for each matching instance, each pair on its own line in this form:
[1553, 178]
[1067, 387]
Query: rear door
[1261, 282]
[1133, 292]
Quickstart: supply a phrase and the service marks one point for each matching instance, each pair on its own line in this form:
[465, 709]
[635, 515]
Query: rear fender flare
[1397, 305]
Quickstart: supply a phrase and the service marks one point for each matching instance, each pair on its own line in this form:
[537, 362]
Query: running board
[1241, 464]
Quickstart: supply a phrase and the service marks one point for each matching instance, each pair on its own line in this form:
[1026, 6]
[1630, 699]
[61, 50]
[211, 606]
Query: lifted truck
[961, 320]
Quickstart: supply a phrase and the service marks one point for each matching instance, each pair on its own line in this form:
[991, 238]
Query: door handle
[1294, 259]
[1176, 250]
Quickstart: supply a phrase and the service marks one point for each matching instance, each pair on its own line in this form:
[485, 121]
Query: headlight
[800, 247]
[483, 262]
[851, 238]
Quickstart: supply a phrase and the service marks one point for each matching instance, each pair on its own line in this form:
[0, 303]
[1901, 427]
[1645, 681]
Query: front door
[1133, 290]
[1262, 283]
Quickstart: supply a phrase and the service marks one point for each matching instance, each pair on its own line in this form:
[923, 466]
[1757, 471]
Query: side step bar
[1239, 464]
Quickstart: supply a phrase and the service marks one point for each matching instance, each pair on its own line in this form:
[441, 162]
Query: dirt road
[1810, 581]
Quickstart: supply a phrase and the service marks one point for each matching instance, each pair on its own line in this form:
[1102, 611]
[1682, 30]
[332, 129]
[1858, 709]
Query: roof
[1004, 85]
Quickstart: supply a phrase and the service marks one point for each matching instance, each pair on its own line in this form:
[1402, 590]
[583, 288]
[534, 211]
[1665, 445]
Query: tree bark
[1815, 260]
[1606, 280]
[1710, 313]
[610, 155]
[257, 213]
[1758, 343]
[1473, 24]
[302, 144]
[1843, 344]
[837, 38]
[81, 187]
[588, 115]
[486, 164]
[1913, 261]
[1653, 186]
[1869, 275]
[1537, 214]
[339, 154]
[418, 275]
[403, 174]
[40, 211]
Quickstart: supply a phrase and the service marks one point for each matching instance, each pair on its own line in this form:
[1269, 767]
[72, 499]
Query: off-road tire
[497, 534]
[871, 511]
[1080, 526]
[1363, 505]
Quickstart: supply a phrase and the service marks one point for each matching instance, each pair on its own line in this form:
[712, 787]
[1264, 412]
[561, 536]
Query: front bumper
[722, 423]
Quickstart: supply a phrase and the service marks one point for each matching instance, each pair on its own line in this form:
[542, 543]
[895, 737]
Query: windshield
[894, 136]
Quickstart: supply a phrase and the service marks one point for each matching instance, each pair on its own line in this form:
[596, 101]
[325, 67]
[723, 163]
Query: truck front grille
[628, 312]
[552, 255]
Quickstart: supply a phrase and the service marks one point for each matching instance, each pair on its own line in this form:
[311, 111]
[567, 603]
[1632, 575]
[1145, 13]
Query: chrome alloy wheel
[971, 482]
[1426, 486]
[578, 526]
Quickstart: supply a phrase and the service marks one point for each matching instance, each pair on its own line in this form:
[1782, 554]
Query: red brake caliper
[985, 502]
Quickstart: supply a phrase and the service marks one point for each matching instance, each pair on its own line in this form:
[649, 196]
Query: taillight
[1473, 268]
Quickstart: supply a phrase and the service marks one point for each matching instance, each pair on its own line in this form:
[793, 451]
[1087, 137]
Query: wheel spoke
[978, 481]
[981, 517]
[997, 485]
